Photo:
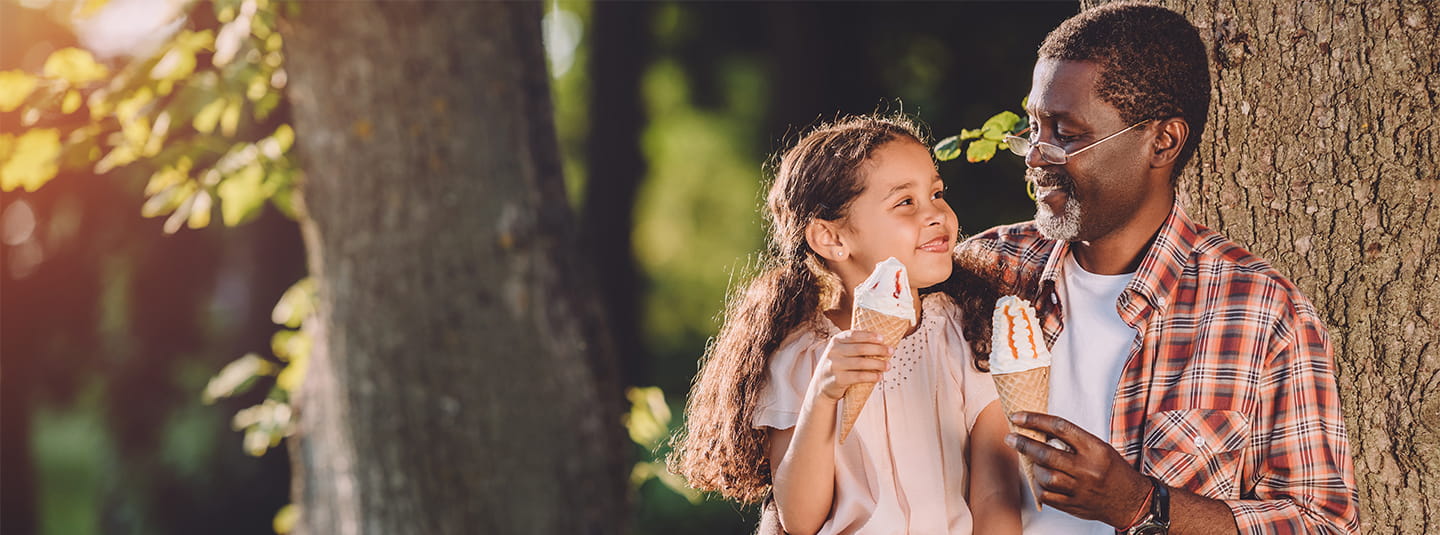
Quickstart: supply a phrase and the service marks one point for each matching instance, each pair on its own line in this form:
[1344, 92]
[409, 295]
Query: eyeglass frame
[1011, 143]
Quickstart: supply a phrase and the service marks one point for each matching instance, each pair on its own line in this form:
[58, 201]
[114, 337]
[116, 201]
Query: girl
[926, 455]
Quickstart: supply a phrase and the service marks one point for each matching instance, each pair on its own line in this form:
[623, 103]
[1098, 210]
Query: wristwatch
[1157, 521]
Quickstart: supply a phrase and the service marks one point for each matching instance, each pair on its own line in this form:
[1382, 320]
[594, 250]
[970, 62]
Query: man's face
[1098, 191]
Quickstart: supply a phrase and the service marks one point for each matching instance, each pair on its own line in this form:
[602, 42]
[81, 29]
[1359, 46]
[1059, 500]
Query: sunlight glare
[128, 27]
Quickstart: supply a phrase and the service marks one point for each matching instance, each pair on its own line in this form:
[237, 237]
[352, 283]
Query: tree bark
[452, 386]
[1320, 156]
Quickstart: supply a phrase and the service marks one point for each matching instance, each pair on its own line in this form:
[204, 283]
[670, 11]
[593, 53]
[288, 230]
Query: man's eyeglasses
[1054, 154]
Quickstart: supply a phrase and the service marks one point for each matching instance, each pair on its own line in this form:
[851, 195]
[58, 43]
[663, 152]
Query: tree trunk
[452, 386]
[621, 46]
[1320, 156]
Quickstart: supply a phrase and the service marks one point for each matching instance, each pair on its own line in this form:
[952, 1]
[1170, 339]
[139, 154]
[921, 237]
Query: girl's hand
[847, 361]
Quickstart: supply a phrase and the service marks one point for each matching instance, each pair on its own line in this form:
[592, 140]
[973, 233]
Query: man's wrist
[1155, 516]
[1141, 509]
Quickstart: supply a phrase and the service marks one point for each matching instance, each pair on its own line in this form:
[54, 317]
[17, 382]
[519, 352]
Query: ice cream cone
[1025, 391]
[1020, 366]
[892, 329]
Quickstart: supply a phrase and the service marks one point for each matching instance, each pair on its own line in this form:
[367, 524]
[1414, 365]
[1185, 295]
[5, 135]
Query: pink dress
[902, 469]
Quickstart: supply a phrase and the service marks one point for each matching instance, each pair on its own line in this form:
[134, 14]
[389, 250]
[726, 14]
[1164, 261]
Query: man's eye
[1063, 138]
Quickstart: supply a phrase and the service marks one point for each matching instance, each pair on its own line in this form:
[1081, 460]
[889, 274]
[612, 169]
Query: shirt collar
[1160, 269]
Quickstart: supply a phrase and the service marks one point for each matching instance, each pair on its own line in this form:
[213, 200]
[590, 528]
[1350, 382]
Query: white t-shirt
[1084, 374]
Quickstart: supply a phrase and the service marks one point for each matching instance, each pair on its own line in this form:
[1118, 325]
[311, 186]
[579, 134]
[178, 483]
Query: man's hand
[1091, 481]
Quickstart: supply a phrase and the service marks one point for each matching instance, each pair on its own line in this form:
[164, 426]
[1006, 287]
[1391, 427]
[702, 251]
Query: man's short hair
[1152, 63]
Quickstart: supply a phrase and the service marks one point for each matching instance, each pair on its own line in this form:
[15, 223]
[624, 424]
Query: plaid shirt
[1229, 390]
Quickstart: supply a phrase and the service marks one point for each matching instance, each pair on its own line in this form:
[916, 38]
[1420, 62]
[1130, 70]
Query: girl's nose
[937, 215]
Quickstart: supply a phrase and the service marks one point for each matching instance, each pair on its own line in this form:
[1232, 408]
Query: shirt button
[1199, 441]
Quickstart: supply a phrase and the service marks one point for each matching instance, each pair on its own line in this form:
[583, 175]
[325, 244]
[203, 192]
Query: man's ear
[824, 238]
[1169, 141]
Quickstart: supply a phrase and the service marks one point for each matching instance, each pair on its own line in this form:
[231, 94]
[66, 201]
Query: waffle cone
[892, 329]
[1028, 390]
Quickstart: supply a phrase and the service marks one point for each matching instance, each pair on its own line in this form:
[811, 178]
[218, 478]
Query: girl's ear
[824, 238]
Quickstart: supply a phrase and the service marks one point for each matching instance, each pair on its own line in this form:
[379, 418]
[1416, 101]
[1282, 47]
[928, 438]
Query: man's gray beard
[1059, 228]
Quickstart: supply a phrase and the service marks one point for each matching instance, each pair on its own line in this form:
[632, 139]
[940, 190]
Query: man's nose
[1033, 158]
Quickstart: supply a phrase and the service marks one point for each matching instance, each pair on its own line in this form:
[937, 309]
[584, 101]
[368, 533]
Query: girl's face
[901, 213]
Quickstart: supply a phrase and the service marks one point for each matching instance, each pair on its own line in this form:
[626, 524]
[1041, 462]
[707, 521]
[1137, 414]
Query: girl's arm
[803, 456]
[994, 474]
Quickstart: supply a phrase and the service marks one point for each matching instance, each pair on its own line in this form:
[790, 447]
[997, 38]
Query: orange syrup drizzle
[1031, 327]
[1010, 322]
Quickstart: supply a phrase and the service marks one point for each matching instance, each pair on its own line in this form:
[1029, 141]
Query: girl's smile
[940, 245]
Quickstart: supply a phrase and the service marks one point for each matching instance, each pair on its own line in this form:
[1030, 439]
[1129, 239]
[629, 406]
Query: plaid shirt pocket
[1199, 450]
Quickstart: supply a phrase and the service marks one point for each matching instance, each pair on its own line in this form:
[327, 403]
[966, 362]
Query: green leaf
[174, 66]
[181, 213]
[289, 345]
[209, 116]
[285, 136]
[230, 119]
[34, 160]
[167, 200]
[71, 103]
[1000, 125]
[284, 197]
[242, 195]
[264, 424]
[947, 149]
[15, 86]
[970, 134]
[296, 304]
[290, 377]
[200, 210]
[285, 519]
[120, 156]
[677, 484]
[981, 150]
[649, 417]
[237, 377]
[75, 66]
[273, 147]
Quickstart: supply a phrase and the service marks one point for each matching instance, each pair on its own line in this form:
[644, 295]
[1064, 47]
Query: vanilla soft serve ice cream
[1016, 343]
[887, 291]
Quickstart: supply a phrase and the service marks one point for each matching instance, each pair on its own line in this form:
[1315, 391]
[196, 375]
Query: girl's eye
[906, 202]
[940, 194]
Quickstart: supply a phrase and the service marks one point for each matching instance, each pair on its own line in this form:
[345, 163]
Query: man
[1192, 389]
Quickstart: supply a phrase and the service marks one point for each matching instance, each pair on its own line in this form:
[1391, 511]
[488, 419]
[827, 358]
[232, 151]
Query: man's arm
[1305, 482]
[1304, 479]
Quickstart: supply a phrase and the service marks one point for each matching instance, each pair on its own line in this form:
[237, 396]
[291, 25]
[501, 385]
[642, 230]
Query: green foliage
[982, 143]
[285, 519]
[237, 377]
[266, 424]
[705, 168]
[649, 424]
[203, 130]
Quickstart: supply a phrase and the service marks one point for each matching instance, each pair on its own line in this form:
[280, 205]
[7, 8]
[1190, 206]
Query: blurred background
[113, 324]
